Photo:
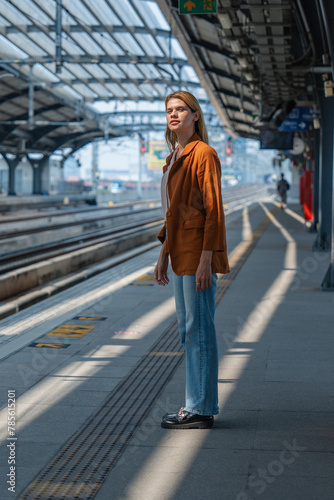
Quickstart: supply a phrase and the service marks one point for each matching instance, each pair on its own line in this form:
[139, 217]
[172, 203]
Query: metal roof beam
[285, 37]
[13, 95]
[264, 7]
[222, 73]
[59, 60]
[23, 77]
[43, 123]
[13, 150]
[41, 133]
[229, 93]
[136, 81]
[213, 48]
[11, 126]
[238, 110]
[95, 59]
[74, 28]
[267, 25]
[91, 9]
[244, 123]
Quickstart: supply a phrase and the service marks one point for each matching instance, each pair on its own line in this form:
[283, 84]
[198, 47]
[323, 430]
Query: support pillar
[326, 173]
[328, 283]
[12, 164]
[327, 110]
[316, 180]
[38, 166]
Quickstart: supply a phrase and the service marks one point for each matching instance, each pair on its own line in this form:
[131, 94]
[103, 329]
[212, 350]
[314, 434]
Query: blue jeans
[195, 315]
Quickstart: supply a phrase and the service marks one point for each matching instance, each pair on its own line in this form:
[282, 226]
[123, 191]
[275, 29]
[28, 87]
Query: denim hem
[198, 412]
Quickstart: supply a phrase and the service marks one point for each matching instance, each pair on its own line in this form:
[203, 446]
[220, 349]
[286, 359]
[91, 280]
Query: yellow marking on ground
[146, 278]
[60, 489]
[56, 346]
[70, 331]
[89, 318]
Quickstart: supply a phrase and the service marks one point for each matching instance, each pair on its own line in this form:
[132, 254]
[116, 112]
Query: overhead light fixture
[328, 88]
[235, 45]
[328, 85]
[242, 61]
[276, 117]
[248, 76]
[225, 21]
[281, 112]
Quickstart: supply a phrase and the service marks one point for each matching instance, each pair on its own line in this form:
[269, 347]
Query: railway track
[86, 221]
[14, 260]
[230, 195]
[65, 212]
[25, 269]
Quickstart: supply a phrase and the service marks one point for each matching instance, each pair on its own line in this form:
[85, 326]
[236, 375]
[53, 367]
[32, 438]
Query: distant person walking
[282, 187]
[194, 238]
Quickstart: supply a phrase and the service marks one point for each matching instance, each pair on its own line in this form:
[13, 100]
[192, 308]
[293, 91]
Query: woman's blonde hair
[193, 104]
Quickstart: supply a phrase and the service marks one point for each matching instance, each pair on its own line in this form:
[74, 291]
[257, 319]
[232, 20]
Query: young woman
[194, 238]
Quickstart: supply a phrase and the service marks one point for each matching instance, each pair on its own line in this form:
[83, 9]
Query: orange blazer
[195, 219]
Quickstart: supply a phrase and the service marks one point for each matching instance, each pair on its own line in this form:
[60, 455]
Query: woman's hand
[204, 271]
[160, 271]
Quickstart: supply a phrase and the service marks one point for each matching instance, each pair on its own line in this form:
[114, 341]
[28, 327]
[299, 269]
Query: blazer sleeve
[209, 179]
[162, 237]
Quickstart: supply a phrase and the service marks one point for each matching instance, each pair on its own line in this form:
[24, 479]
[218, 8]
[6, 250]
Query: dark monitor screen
[275, 139]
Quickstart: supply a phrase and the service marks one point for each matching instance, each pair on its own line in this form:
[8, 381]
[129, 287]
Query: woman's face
[180, 118]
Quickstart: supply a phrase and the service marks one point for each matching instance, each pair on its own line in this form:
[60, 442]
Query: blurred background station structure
[82, 86]
[83, 73]
[89, 344]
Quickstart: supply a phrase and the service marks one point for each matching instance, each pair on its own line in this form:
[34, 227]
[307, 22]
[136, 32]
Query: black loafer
[172, 413]
[186, 420]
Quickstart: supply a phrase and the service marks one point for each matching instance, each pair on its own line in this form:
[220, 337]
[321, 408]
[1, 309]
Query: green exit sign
[197, 6]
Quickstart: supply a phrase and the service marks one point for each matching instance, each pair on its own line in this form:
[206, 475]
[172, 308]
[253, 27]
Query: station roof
[254, 59]
[58, 57]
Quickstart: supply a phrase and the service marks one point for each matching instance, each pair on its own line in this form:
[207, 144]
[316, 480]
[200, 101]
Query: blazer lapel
[168, 159]
[194, 140]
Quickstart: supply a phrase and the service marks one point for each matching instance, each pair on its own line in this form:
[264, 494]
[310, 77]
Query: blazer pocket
[194, 222]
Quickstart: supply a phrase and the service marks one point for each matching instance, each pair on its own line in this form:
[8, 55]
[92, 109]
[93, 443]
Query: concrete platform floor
[274, 436]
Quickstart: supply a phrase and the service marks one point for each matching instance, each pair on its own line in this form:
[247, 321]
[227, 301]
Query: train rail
[32, 215]
[14, 260]
[31, 270]
[8, 224]
[86, 221]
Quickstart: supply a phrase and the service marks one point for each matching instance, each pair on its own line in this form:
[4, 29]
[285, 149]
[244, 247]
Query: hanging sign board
[197, 6]
[299, 118]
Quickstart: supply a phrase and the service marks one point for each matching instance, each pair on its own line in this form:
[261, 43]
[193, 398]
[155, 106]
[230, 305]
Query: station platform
[94, 368]
[22, 203]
